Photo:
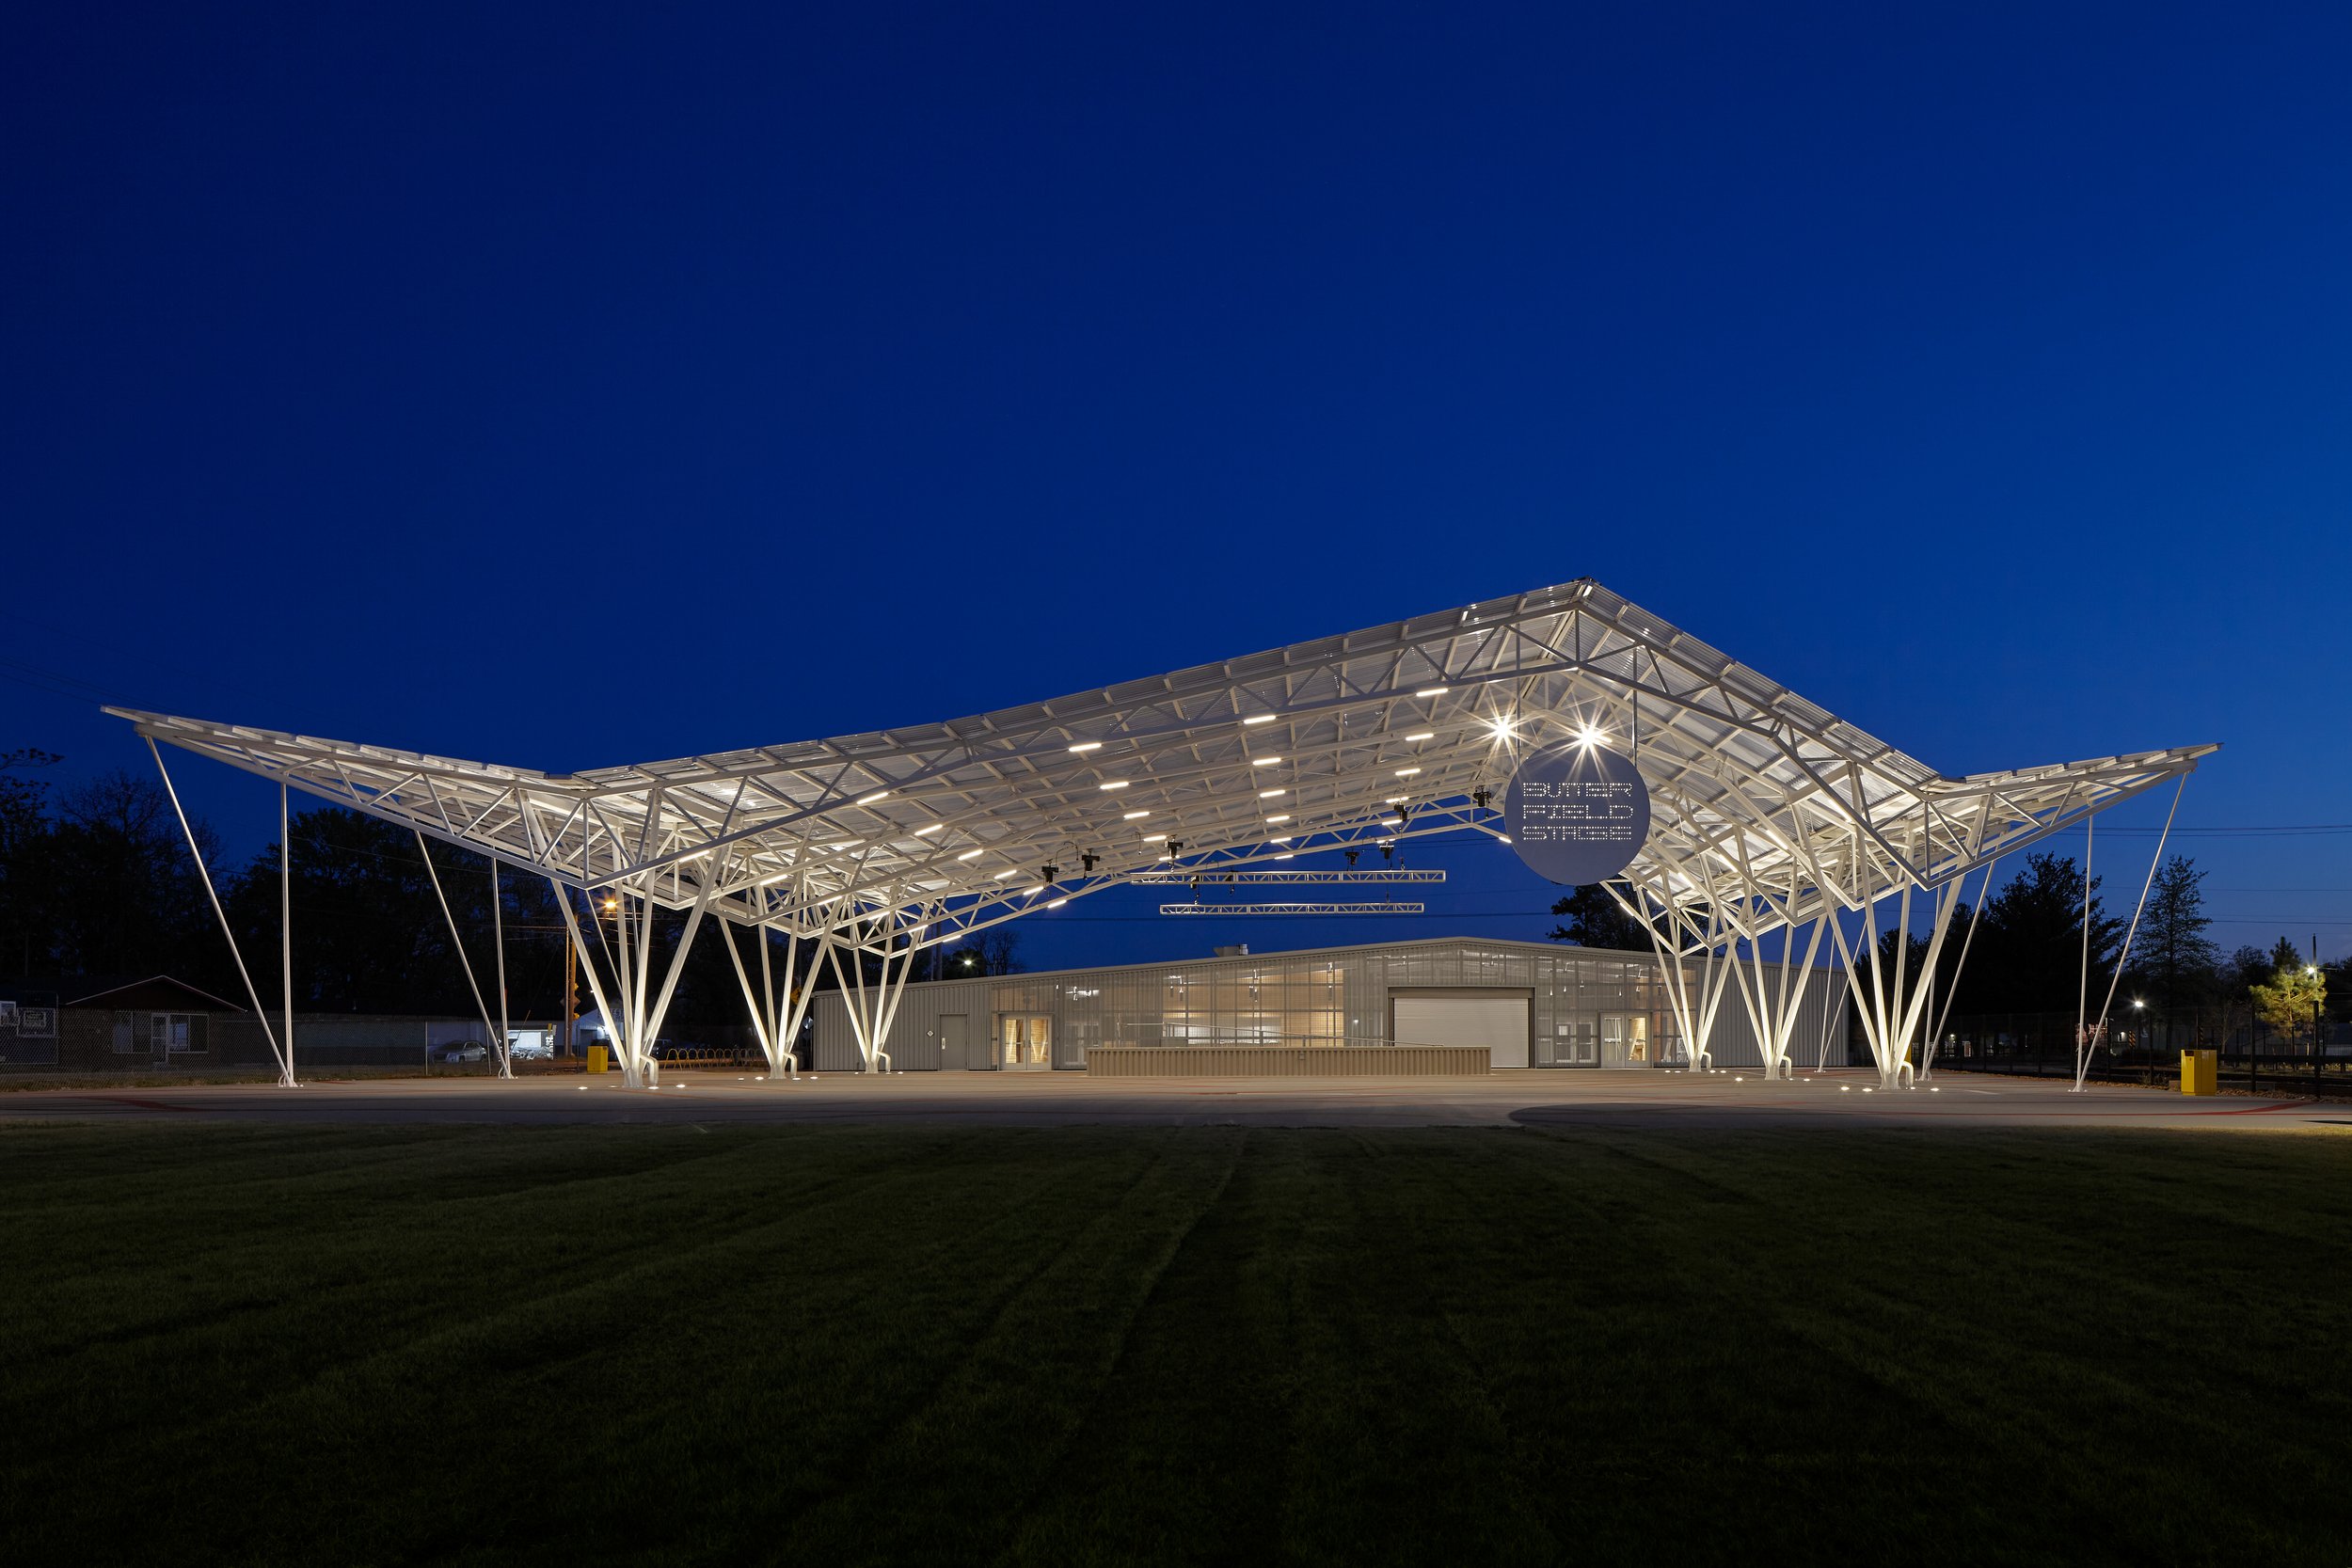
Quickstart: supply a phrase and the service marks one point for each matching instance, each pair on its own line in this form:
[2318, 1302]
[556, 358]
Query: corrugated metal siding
[1283, 1061]
[1323, 997]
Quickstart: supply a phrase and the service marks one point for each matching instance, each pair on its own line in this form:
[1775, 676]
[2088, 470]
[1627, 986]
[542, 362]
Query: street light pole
[2140, 1027]
[2313, 970]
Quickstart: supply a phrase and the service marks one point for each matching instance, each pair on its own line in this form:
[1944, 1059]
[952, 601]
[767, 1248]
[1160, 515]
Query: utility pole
[2312, 972]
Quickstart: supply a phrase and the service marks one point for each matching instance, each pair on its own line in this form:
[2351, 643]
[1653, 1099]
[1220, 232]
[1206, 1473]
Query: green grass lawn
[844, 1345]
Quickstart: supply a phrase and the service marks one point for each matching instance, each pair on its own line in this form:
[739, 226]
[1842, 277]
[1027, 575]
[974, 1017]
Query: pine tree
[2172, 951]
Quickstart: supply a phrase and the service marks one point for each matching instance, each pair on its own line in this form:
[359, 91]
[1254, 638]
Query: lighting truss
[1251, 879]
[1290, 909]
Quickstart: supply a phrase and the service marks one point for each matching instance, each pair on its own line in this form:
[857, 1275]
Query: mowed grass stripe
[648, 1292]
[860, 1344]
[1184, 1455]
[2022, 1323]
[993, 1435]
[873, 1300]
[242, 1285]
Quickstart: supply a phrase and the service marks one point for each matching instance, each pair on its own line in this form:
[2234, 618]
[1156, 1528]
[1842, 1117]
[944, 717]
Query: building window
[123, 1034]
[174, 1033]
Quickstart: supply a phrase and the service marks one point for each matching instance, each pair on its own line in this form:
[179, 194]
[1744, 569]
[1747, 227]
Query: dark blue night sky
[594, 386]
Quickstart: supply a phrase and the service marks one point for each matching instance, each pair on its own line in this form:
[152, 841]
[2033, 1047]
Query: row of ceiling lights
[1502, 727]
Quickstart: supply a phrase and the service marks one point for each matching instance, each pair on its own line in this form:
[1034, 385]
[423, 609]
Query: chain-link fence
[2144, 1046]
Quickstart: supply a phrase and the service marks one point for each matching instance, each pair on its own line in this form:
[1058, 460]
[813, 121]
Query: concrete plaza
[1052, 1099]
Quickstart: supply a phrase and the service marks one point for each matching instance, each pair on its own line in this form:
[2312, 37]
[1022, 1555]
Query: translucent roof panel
[1755, 792]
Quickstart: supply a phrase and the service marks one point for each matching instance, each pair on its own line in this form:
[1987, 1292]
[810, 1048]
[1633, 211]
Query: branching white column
[1890, 1020]
[777, 1015]
[873, 1010]
[635, 1025]
[1773, 999]
[766, 1025]
[1694, 1004]
[623, 1005]
[580, 947]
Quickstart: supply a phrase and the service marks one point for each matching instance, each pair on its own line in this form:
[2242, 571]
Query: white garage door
[1496, 1022]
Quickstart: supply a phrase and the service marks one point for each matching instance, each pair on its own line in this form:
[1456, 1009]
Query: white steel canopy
[1392, 733]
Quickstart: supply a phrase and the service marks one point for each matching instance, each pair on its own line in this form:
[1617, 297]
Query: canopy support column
[1695, 1009]
[284, 1057]
[652, 1029]
[873, 1013]
[497, 1044]
[776, 1017]
[285, 912]
[2082, 1065]
[580, 948]
[1959, 966]
[498, 941]
[1890, 1021]
[1774, 1002]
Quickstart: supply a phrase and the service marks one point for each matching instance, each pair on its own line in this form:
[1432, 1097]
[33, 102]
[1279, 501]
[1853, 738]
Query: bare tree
[998, 953]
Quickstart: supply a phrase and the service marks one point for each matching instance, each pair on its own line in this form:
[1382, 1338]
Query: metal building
[1532, 1004]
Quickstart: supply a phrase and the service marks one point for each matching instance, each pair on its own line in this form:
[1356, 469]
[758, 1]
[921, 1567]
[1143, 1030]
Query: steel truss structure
[1769, 814]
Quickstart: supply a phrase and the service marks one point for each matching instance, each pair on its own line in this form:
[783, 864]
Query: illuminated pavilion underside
[1767, 813]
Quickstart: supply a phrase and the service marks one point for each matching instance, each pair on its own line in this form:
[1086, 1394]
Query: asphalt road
[1614, 1099]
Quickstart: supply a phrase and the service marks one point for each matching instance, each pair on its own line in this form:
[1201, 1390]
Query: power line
[59, 685]
[2276, 832]
[2277, 920]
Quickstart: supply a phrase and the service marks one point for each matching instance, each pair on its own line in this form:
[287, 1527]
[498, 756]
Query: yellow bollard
[2198, 1070]
[597, 1057]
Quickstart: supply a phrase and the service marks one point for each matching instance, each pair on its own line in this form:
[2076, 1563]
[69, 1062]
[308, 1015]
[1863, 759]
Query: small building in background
[158, 1024]
[100, 1024]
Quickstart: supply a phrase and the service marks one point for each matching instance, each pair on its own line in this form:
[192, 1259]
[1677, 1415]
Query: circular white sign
[1576, 813]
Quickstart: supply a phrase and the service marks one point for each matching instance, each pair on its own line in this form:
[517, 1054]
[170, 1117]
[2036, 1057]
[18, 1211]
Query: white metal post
[2132, 933]
[285, 915]
[2084, 1044]
[455, 941]
[285, 1059]
[497, 940]
[580, 945]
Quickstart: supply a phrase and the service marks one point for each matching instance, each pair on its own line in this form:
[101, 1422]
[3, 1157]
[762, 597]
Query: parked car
[458, 1050]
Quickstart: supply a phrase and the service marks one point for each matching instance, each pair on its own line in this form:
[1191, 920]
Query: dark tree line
[96, 881]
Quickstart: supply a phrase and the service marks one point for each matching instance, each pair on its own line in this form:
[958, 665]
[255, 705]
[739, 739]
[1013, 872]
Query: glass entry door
[1024, 1040]
[1625, 1037]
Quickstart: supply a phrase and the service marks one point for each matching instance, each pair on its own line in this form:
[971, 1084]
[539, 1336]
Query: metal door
[955, 1043]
